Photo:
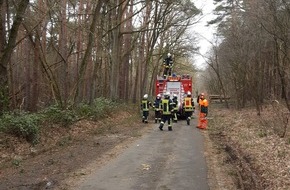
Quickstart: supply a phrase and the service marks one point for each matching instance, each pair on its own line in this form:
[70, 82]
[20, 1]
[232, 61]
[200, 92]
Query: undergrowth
[28, 125]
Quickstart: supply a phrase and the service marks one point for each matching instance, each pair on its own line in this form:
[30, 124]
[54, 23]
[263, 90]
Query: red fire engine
[175, 84]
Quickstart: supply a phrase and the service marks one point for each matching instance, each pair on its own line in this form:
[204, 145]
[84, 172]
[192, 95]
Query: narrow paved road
[160, 160]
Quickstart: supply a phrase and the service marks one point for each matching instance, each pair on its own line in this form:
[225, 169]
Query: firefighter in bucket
[167, 64]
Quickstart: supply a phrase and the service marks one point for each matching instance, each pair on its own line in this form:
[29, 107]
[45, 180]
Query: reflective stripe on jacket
[145, 105]
[165, 105]
[188, 104]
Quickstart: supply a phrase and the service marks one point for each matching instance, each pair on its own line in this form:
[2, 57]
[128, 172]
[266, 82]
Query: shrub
[84, 110]
[22, 125]
[27, 125]
[55, 114]
[101, 107]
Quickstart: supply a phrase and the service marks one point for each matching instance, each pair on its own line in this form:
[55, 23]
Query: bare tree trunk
[2, 24]
[137, 81]
[63, 53]
[127, 47]
[116, 56]
[8, 50]
[88, 51]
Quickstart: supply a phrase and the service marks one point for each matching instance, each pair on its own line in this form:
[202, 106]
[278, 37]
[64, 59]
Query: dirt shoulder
[249, 148]
[62, 152]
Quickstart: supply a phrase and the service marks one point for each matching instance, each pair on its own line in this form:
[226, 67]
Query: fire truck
[175, 84]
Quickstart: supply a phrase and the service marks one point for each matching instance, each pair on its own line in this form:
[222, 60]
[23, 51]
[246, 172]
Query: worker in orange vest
[188, 107]
[203, 111]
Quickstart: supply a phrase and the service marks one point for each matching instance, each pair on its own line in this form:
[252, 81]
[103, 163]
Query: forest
[69, 52]
[71, 68]
[250, 56]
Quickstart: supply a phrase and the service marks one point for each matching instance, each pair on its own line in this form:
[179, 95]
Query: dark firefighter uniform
[166, 106]
[167, 64]
[175, 108]
[145, 104]
[188, 107]
[157, 108]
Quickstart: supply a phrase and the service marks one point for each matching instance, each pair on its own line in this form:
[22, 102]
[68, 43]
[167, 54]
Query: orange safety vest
[203, 102]
[203, 105]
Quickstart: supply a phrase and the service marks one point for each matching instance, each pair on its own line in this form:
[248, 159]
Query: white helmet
[168, 54]
[145, 96]
[158, 95]
[174, 95]
[188, 93]
[167, 94]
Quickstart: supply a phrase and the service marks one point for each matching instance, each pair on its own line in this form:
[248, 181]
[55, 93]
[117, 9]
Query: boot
[155, 120]
[188, 121]
[169, 128]
[161, 126]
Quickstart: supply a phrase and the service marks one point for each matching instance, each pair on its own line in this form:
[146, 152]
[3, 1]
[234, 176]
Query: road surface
[159, 160]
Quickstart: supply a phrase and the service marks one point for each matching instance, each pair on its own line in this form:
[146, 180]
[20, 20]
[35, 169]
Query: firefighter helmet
[158, 96]
[188, 94]
[167, 94]
[174, 95]
[168, 55]
[145, 96]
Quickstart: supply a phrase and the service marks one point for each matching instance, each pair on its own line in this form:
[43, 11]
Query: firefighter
[157, 108]
[203, 111]
[167, 109]
[167, 64]
[145, 104]
[175, 108]
[188, 107]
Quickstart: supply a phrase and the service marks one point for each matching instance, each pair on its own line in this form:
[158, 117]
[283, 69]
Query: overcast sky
[204, 32]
